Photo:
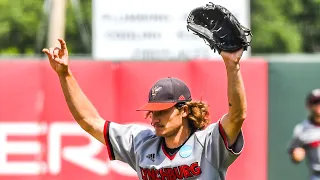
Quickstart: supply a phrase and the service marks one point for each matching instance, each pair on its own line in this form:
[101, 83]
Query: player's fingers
[57, 59]
[63, 44]
[56, 51]
[46, 51]
[51, 53]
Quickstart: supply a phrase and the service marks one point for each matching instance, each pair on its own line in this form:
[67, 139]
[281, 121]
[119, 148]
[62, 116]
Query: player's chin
[159, 131]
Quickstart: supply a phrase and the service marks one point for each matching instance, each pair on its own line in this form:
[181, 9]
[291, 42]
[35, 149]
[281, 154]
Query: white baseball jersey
[205, 155]
[307, 135]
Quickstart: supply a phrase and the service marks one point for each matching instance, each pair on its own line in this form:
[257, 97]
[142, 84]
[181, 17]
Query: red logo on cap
[182, 98]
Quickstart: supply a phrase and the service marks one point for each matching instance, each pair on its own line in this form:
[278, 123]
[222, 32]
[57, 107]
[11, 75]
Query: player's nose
[155, 121]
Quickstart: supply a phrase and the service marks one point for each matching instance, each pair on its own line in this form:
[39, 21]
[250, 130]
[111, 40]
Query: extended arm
[79, 105]
[81, 108]
[233, 120]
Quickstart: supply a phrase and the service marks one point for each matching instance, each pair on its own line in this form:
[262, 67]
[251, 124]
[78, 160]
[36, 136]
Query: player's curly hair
[198, 114]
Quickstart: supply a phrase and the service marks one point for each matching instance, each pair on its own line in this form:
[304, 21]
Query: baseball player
[182, 144]
[306, 137]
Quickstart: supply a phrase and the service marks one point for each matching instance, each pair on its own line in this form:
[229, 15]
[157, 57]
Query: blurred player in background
[306, 137]
[182, 144]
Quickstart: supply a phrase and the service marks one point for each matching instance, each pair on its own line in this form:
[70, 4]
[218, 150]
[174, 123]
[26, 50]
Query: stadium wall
[290, 79]
[40, 140]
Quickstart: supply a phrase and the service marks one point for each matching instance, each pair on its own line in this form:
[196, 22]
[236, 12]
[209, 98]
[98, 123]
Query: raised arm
[79, 105]
[233, 120]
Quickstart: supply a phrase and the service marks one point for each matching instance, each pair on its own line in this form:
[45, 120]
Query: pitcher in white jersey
[306, 137]
[182, 144]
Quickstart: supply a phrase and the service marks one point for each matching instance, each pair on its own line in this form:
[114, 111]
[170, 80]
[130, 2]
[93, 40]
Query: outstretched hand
[58, 58]
[232, 57]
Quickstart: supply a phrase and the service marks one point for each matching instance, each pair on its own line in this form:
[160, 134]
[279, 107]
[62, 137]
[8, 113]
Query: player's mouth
[156, 125]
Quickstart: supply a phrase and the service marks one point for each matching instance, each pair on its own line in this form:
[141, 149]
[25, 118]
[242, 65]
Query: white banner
[148, 30]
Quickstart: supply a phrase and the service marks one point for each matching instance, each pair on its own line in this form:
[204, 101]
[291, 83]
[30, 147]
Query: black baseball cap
[313, 97]
[166, 93]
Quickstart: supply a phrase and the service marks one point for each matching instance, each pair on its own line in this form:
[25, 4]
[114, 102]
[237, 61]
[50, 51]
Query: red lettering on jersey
[195, 169]
[178, 174]
[171, 174]
[151, 174]
[186, 171]
[158, 175]
[163, 174]
[182, 169]
[143, 174]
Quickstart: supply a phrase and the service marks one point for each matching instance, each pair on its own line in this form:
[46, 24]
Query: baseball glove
[219, 28]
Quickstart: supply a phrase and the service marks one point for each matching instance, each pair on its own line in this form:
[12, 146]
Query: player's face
[315, 110]
[167, 122]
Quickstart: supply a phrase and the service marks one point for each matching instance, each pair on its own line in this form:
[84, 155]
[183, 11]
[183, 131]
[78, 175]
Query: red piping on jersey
[106, 134]
[167, 154]
[223, 134]
[224, 137]
[314, 144]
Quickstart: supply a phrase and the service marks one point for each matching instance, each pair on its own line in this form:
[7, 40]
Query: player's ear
[185, 110]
